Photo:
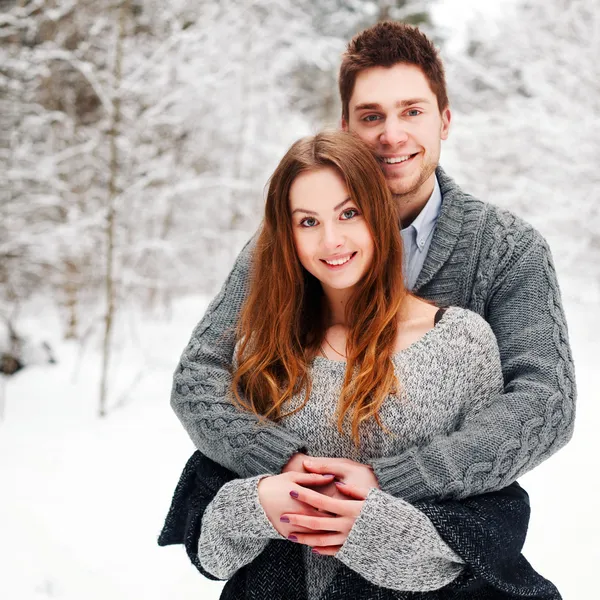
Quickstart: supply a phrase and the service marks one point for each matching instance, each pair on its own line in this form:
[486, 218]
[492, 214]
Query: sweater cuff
[240, 511]
[400, 476]
[394, 545]
[273, 447]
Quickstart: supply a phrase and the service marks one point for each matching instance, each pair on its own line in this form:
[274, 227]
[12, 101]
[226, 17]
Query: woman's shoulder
[464, 324]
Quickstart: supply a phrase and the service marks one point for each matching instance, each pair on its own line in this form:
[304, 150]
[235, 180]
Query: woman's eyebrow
[341, 204]
[312, 212]
[304, 210]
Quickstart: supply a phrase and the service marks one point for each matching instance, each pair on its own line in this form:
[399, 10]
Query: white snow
[82, 499]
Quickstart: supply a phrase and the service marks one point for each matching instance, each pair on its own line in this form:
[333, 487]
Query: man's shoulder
[479, 218]
[500, 226]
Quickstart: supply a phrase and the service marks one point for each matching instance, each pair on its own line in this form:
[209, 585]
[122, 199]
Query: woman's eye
[371, 118]
[349, 213]
[308, 222]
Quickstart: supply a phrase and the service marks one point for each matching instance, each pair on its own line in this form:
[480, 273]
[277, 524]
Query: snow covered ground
[82, 500]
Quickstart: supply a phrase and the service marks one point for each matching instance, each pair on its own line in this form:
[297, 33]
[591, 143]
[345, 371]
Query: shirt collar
[425, 222]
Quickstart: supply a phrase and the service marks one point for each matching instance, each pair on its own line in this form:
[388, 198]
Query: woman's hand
[274, 496]
[295, 463]
[348, 471]
[326, 534]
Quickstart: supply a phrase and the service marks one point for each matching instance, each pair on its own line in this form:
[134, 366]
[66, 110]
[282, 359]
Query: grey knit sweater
[446, 378]
[482, 258]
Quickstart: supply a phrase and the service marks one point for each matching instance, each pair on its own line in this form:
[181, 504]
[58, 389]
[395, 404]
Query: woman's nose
[332, 237]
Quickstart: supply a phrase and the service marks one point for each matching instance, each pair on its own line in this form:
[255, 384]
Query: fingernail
[284, 519]
[339, 483]
[329, 475]
[292, 538]
[293, 494]
[315, 551]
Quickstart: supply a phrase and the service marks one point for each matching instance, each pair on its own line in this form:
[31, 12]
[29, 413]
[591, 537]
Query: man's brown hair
[384, 45]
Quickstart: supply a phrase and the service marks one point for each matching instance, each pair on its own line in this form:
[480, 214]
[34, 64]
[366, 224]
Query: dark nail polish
[284, 519]
[292, 538]
[293, 494]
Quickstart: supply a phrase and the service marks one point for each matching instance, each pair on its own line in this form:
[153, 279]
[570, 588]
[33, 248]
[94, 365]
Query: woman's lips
[337, 267]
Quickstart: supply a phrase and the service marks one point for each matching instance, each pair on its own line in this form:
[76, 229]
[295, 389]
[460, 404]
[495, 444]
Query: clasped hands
[315, 501]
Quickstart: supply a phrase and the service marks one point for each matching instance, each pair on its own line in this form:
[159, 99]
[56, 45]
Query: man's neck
[411, 204]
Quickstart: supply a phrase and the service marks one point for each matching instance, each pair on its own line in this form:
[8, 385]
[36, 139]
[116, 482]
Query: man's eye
[371, 118]
[308, 222]
[348, 214]
[414, 112]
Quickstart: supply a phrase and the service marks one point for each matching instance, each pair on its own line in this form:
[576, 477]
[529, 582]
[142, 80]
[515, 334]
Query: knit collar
[447, 229]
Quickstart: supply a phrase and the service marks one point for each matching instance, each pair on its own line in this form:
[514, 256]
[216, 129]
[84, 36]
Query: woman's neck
[336, 301]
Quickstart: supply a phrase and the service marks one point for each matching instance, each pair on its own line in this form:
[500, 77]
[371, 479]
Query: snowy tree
[527, 135]
[204, 102]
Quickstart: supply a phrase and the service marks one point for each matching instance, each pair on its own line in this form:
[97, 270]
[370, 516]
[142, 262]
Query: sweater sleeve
[219, 429]
[235, 528]
[394, 545]
[514, 430]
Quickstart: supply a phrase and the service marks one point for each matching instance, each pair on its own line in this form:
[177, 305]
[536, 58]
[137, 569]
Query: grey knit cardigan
[481, 258]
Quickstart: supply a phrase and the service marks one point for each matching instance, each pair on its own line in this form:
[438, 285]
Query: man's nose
[394, 133]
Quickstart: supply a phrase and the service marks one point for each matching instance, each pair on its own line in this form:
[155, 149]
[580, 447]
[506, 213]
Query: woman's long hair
[284, 319]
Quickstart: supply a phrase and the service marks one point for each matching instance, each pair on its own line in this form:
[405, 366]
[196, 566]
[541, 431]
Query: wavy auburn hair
[284, 319]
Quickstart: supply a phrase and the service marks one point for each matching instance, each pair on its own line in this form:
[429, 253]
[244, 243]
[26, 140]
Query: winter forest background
[136, 138]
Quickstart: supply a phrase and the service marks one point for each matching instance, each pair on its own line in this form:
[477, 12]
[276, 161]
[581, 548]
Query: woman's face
[331, 236]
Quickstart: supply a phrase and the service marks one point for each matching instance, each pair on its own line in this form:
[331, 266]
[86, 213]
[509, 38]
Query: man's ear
[446, 118]
[344, 124]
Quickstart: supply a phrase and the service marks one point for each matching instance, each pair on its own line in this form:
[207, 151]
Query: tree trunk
[70, 290]
[110, 218]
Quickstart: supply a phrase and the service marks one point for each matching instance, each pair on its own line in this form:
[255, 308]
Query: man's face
[394, 111]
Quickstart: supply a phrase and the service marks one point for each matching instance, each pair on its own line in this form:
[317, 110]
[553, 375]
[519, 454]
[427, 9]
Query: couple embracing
[387, 356]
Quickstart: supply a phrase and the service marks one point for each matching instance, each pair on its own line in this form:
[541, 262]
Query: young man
[459, 251]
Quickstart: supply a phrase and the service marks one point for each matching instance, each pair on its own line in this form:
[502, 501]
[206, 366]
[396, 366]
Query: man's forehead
[398, 85]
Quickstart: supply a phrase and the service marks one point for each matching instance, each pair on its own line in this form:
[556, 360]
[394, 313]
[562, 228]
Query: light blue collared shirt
[417, 236]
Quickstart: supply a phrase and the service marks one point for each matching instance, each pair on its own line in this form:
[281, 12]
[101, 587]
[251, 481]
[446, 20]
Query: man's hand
[345, 470]
[274, 496]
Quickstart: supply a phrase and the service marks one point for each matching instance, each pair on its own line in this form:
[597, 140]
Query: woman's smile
[336, 263]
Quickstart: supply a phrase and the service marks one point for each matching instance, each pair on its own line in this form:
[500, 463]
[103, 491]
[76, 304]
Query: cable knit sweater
[482, 258]
[446, 378]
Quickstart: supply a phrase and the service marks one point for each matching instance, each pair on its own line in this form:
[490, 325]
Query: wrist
[295, 463]
[260, 482]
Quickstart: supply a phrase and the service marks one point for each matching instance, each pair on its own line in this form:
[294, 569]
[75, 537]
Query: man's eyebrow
[411, 101]
[367, 106]
[399, 104]
[312, 212]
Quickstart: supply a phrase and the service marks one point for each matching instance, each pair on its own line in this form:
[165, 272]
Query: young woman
[333, 346]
